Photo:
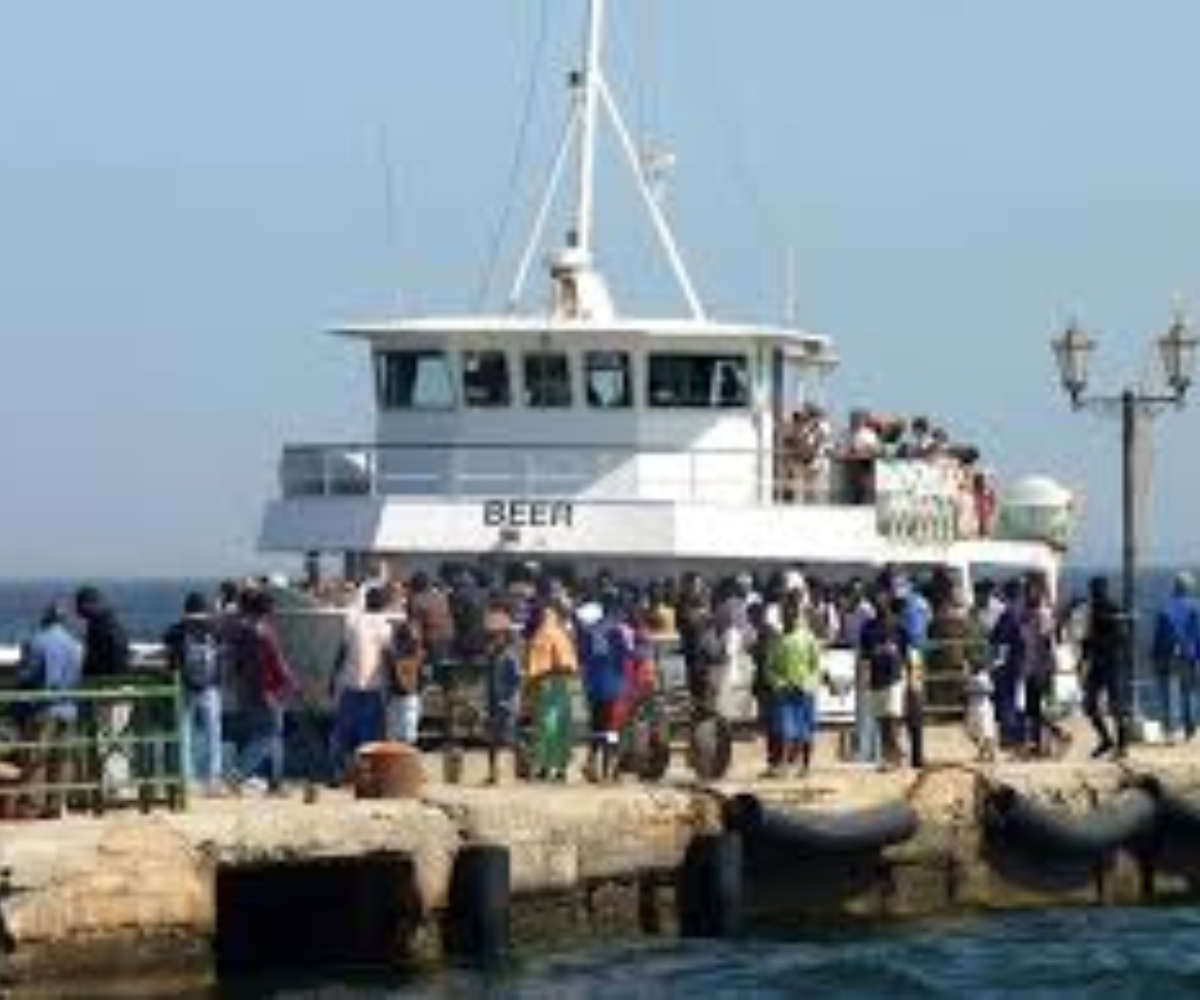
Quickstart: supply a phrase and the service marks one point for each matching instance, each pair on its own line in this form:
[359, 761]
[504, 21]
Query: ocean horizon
[148, 605]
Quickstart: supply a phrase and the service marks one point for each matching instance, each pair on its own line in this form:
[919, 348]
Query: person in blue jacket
[1176, 654]
[605, 648]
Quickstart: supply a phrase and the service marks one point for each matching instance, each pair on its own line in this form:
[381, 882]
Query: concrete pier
[118, 894]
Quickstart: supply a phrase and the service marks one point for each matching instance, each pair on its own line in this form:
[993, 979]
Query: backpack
[468, 612]
[405, 659]
[199, 660]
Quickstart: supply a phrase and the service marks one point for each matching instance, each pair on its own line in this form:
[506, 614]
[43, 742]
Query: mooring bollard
[709, 891]
[477, 918]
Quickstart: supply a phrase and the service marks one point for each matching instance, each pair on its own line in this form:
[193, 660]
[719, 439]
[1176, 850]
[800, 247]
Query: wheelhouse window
[485, 379]
[698, 381]
[608, 380]
[413, 380]
[547, 380]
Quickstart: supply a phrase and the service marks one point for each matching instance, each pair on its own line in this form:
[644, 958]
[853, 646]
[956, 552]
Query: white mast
[578, 290]
[590, 96]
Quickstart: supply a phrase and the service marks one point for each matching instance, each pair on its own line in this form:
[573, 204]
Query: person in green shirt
[792, 675]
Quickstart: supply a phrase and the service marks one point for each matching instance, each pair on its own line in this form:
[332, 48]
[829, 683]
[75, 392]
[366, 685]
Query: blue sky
[190, 195]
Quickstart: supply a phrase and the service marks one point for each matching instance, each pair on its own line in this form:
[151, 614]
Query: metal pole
[587, 143]
[1129, 553]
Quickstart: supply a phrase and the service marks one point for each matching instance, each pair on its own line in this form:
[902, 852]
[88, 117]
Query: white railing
[469, 471]
[920, 514]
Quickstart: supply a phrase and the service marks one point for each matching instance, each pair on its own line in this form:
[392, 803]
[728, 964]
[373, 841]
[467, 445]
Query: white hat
[590, 613]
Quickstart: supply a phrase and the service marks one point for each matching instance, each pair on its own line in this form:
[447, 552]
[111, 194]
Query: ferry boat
[573, 433]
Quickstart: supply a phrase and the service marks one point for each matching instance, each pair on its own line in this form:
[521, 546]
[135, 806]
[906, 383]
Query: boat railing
[591, 471]
[118, 741]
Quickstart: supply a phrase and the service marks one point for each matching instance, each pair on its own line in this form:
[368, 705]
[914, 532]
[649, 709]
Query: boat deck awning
[798, 343]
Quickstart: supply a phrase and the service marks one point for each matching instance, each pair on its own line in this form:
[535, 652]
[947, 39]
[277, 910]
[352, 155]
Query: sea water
[145, 607]
[148, 607]
[1118, 953]
[1121, 954]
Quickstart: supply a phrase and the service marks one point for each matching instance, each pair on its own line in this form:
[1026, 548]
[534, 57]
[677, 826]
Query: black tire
[523, 758]
[646, 748]
[710, 750]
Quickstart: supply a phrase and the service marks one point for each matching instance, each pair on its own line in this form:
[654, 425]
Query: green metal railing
[126, 746]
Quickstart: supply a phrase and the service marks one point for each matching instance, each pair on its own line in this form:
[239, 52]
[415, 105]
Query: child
[981, 712]
[503, 660]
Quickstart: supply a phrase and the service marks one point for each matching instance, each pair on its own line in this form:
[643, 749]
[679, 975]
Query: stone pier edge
[127, 890]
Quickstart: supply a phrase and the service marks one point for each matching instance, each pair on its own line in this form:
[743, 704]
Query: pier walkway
[87, 892]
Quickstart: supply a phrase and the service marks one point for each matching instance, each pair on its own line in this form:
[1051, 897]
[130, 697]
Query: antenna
[391, 212]
[580, 291]
[791, 289]
[590, 100]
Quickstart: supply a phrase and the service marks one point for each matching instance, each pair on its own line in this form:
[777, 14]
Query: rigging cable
[391, 210]
[768, 235]
[517, 166]
[647, 72]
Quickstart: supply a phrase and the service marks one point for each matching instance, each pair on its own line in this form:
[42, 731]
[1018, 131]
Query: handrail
[517, 446]
[596, 470]
[103, 756]
[922, 501]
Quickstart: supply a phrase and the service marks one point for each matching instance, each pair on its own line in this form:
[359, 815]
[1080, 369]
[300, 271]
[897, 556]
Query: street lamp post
[1177, 352]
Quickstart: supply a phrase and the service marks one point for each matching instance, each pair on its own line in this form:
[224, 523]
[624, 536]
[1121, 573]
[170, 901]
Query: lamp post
[1177, 353]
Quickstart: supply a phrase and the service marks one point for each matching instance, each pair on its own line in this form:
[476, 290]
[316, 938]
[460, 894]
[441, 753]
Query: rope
[982, 776]
[520, 151]
[768, 234]
[647, 71]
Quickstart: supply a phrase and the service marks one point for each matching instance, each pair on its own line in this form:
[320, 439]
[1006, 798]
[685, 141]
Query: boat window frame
[505, 400]
[383, 357]
[527, 385]
[742, 360]
[629, 397]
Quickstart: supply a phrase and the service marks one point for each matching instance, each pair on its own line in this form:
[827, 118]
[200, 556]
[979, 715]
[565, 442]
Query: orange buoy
[388, 771]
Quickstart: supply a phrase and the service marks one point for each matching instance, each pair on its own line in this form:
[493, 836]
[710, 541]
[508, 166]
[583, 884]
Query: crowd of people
[224, 656]
[537, 637]
[817, 464]
[542, 643]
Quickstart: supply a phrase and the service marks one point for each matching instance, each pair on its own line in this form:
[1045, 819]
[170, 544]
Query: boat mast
[581, 239]
[578, 290]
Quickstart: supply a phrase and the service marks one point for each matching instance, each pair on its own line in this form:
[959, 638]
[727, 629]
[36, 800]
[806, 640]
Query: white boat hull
[622, 531]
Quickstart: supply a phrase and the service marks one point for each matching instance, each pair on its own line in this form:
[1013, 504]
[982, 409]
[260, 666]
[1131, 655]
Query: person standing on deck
[1103, 649]
[1007, 639]
[884, 654]
[430, 614]
[957, 661]
[692, 618]
[551, 666]
[1038, 624]
[106, 654]
[407, 658]
[502, 660]
[859, 610]
[194, 655]
[52, 660]
[793, 675]
[105, 643]
[264, 682]
[605, 648]
[915, 613]
[360, 681]
[1175, 653]
[766, 635]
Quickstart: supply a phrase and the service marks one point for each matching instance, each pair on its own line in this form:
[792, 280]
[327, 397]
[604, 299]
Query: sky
[191, 194]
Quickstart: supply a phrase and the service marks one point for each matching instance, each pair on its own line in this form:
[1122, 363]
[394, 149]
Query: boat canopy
[791, 341]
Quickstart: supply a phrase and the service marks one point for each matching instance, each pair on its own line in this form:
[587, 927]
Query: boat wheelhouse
[573, 433]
